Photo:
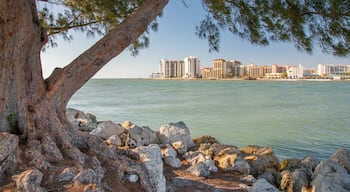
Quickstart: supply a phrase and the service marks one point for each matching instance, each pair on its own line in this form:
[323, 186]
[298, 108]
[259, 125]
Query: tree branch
[65, 82]
[56, 30]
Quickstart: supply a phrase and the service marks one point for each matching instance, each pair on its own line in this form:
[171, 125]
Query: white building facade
[171, 68]
[180, 68]
[295, 72]
[332, 70]
[192, 67]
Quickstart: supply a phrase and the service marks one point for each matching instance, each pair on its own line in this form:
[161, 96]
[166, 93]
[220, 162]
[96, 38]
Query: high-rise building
[191, 67]
[226, 69]
[171, 68]
[331, 69]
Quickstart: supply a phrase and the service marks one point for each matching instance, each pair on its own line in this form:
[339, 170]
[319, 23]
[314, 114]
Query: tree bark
[34, 108]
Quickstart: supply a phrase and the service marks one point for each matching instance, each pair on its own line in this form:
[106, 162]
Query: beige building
[207, 73]
[226, 69]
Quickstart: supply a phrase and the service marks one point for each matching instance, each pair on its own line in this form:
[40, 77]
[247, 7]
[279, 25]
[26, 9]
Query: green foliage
[95, 17]
[12, 118]
[305, 22]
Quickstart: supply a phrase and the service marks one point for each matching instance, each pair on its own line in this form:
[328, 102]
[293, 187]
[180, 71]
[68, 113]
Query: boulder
[180, 147]
[232, 162]
[260, 159]
[105, 129]
[199, 169]
[174, 132]
[194, 158]
[151, 156]
[29, 181]
[114, 140]
[217, 149]
[294, 181]
[170, 156]
[168, 150]
[261, 185]
[80, 120]
[272, 178]
[139, 136]
[173, 162]
[206, 139]
[308, 164]
[330, 176]
[342, 156]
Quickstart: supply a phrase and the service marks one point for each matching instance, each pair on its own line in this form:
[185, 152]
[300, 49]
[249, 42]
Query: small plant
[11, 118]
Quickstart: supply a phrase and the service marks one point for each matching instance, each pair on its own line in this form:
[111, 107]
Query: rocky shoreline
[257, 168]
[177, 162]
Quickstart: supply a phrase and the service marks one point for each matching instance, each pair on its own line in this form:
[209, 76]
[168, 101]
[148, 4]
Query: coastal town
[190, 68]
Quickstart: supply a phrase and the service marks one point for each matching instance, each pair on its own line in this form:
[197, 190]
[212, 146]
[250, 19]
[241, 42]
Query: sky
[176, 39]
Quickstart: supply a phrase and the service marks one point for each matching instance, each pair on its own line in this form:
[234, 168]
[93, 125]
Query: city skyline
[176, 39]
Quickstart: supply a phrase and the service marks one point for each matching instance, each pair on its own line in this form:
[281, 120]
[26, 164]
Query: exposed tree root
[93, 165]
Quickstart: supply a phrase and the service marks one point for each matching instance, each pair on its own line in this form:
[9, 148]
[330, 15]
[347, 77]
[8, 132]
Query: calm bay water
[297, 119]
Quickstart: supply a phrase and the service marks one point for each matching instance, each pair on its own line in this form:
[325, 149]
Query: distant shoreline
[224, 79]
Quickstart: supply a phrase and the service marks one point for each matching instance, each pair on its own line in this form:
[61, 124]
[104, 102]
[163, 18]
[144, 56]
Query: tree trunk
[34, 108]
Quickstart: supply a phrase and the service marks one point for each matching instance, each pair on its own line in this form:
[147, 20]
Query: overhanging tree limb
[85, 66]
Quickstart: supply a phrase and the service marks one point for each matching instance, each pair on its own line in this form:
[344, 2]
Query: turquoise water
[297, 119]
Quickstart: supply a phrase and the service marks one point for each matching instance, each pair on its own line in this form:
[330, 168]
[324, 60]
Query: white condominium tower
[331, 69]
[180, 68]
[192, 67]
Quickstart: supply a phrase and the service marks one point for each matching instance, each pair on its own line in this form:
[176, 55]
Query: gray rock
[141, 136]
[309, 164]
[67, 174]
[168, 150]
[249, 180]
[172, 161]
[86, 176]
[106, 129]
[273, 178]
[197, 157]
[80, 120]
[261, 185]
[174, 132]
[199, 169]
[114, 140]
[151, 156]
[342, 156]
[330, 176]
[180, 147]
[29, 181]
[294, 181]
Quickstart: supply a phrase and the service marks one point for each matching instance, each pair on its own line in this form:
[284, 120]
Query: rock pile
[173, 146]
